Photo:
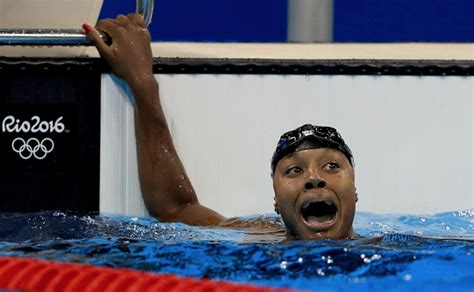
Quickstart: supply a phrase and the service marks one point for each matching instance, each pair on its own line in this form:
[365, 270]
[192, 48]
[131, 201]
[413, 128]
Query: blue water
[398, 252]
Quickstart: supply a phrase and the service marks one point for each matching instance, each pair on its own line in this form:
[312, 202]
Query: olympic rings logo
[33, 148]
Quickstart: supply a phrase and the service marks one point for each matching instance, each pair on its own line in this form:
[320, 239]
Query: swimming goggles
[320, 136]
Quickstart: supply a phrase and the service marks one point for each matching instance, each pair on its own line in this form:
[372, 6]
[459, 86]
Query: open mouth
[319, 214]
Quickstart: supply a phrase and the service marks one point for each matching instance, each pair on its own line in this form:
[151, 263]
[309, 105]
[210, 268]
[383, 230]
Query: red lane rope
[40, 275]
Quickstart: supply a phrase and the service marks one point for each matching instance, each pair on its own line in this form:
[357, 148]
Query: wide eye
[295, 170]
[331, 166]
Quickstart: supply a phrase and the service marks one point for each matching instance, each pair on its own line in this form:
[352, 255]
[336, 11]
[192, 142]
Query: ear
[275, 205]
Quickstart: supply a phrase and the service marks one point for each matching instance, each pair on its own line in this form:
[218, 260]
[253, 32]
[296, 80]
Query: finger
[104, 20]
[112, 28]
[137, 19]
[107, 25]
[122, 19]
[96, 39]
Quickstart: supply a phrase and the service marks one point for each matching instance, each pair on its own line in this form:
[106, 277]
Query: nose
[314, 183]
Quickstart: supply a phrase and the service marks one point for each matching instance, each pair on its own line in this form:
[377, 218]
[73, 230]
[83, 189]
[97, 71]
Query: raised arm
[166, 189]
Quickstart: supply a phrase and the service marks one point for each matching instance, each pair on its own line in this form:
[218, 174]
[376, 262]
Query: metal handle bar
[61, 37]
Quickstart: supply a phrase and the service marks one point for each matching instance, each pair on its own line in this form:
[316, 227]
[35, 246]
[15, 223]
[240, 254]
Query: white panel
[472, 136]
[48, 13]
[66, 14]
[412, 137]
[119, 185]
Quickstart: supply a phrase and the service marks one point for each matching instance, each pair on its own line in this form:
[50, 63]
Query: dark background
[67, 178]
[266, 20]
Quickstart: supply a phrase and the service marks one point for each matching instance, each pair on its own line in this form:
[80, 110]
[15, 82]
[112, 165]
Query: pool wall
[406, 113]
[405, 109]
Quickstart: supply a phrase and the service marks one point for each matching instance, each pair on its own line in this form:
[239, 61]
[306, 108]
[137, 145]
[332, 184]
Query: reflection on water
[397, 251]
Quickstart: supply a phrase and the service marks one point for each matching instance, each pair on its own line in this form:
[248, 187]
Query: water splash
[391, 255]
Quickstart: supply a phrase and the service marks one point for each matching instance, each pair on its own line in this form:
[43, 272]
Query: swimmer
[312, 167]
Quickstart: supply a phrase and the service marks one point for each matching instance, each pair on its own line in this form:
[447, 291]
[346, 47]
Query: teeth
[306, 205]
[318, 219]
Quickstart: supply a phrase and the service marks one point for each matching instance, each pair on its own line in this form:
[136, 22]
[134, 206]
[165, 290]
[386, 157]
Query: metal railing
[61, 37]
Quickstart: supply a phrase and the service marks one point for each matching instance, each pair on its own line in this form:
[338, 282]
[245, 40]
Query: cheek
[344, 184]
[349, 189]
[280, 198]
[284, 189]
[284, 193]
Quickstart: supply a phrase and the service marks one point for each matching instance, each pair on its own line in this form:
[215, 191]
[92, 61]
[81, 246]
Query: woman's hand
[128, 51]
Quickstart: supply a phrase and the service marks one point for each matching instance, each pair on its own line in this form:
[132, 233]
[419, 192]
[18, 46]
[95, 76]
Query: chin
[319, 235]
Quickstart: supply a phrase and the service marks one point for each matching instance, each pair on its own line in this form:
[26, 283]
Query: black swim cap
[320, 137]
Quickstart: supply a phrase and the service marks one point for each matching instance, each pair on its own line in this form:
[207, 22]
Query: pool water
[397, 252]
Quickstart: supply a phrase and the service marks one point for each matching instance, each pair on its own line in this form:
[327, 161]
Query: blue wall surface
[404, 20]
[266, 20]
[212, 20]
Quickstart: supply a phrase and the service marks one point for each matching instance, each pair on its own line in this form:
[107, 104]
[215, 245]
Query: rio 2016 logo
[32, 147]
[12, 125]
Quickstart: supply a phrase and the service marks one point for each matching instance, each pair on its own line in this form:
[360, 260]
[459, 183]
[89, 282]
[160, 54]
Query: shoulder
[260, 228]
[254, 222]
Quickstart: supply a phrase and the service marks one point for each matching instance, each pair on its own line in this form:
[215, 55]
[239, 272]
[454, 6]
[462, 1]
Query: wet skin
[315, 175]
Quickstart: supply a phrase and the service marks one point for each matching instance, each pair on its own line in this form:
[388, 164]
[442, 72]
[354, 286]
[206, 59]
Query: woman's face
[315, 193]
